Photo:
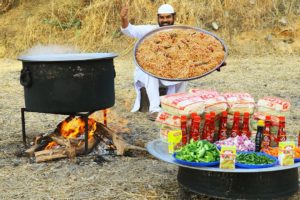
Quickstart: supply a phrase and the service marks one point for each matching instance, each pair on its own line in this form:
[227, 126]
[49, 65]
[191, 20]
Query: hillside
[250, 27]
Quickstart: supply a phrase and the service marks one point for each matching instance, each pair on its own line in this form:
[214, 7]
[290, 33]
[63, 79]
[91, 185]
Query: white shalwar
[141, 79]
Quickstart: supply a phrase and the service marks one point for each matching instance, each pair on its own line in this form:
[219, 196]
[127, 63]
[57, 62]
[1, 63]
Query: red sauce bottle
[267, 133]
[212, 127]
[222, 135]
[191, 126]
[183, 121]
[281, 134]
[195, 128]
[206, 127]
[245, 128]
[236, 125]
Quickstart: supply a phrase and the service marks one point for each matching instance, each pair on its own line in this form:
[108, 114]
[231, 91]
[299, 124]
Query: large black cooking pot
[68, 83]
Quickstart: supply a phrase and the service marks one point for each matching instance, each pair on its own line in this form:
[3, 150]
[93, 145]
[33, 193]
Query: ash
[104, 148]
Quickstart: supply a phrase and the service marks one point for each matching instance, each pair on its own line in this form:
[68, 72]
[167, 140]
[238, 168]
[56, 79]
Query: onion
[242, 143]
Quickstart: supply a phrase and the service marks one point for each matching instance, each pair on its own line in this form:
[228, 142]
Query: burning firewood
[121, 145]
[68, 140]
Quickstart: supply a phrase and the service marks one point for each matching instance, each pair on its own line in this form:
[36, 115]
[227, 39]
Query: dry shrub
[93, 25]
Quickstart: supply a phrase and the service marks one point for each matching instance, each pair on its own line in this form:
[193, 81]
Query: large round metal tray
[167, 28]
[159, 149]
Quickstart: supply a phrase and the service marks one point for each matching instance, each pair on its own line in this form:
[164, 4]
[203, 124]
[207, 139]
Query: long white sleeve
[137, 31]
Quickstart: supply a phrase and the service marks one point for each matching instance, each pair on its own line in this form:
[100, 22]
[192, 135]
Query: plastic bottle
[281, 134]
[259, 135]
[222, 135]
[212, 126]
[192, 124]
[267, 133]
[183, 121]
[195, 128]
[206, 128]
[245, 128]
[236, 125]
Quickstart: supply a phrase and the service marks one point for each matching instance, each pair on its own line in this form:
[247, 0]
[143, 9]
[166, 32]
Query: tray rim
[66, 57]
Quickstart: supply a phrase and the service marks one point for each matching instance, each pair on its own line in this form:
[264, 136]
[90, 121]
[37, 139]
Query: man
[165, 17]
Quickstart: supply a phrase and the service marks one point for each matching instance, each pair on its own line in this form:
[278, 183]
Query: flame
[51, 145]
[74, 128]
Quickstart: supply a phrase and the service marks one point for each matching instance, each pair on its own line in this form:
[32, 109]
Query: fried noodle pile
[179, 53]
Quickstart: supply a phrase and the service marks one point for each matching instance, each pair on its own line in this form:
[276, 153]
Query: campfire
[68, 140]
[73, 129]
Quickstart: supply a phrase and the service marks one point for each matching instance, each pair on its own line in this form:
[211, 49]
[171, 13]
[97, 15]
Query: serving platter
[175, 27]
[159, 149]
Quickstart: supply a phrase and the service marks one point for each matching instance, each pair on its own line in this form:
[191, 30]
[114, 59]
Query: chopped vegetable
[254, 159]
[242, 143]
[273, 151]
[198, 151]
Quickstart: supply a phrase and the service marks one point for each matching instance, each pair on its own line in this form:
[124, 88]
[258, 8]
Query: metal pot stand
[42, 73]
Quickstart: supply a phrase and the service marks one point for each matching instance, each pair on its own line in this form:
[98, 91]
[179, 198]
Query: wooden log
[31, 150]
[60, 140]
[65, 151]
[79, 150]
[50, 154]
[39, 144]
[121, 145]
[74, 146]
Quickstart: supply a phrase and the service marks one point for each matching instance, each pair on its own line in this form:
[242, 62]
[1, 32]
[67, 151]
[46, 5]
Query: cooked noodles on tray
[177, 53]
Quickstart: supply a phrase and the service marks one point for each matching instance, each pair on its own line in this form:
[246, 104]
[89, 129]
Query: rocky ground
[136, 176]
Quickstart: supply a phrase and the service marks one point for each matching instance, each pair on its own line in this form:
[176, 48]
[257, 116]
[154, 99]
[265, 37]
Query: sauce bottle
[222, 135]
[206, 128]
[245, 127]
[195, 128]
[183, 121]
[259, 135]
[212, 126]
[281, 134]
[192, 124]
[236, 125]
[267, 133]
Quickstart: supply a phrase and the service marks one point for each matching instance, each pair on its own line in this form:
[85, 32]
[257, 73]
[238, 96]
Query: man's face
[165, 19]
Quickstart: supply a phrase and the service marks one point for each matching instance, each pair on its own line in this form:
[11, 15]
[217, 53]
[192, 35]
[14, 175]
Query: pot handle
[25, 77]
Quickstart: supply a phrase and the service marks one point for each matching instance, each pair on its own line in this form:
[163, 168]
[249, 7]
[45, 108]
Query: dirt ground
[136, 176]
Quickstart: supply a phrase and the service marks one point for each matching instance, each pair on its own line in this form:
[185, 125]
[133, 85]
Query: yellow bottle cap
[260, 123]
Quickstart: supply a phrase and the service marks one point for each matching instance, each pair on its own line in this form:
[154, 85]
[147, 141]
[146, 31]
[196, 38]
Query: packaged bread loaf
[239, 102]
[213, 101]
[167, 123]
[182, 104]
[273, 106]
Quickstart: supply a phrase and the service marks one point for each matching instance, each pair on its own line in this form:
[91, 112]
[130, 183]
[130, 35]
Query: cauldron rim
[66, 57]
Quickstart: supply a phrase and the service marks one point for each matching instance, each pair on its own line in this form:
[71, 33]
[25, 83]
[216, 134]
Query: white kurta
[141, 79]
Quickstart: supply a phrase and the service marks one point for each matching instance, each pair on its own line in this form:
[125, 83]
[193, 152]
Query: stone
[226, 14]
[283, 21]
[215, 26]
[269, 37]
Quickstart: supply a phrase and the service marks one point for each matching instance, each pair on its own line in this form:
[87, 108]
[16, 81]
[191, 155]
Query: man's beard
[165, 24]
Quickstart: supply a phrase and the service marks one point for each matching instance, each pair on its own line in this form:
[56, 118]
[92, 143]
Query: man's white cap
[165, 9]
